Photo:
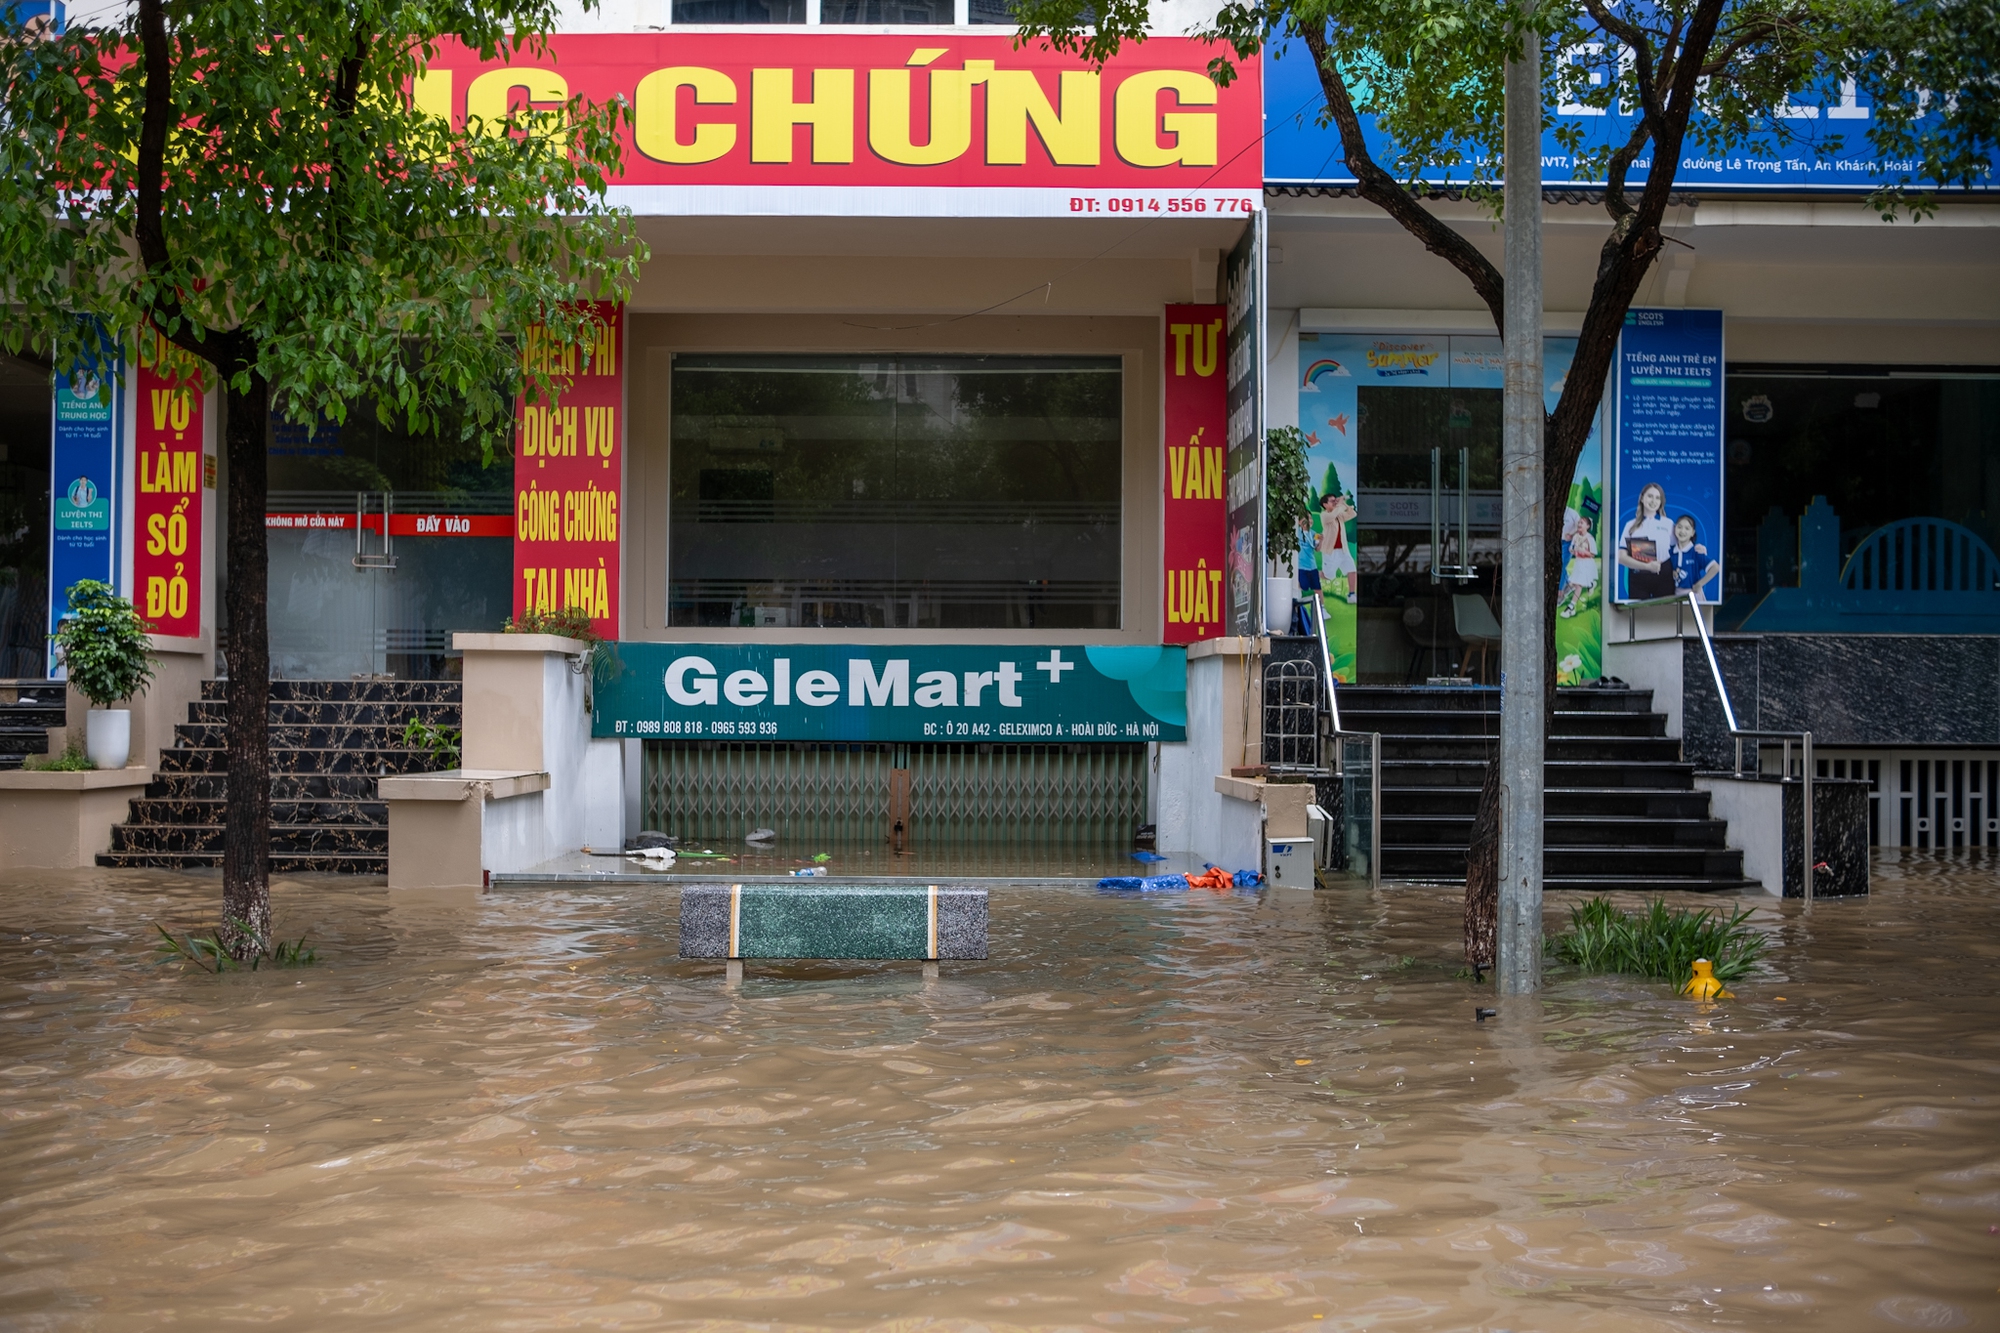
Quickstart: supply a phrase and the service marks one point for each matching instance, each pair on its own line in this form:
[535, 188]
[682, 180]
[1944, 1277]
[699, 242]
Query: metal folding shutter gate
[988, 794]
[1928, 800]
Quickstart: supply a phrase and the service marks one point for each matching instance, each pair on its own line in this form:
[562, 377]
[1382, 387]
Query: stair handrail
[1374, 738]
[1689, 598]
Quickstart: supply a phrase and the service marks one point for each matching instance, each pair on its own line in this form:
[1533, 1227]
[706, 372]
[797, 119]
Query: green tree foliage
[255, 180]
[253, 177]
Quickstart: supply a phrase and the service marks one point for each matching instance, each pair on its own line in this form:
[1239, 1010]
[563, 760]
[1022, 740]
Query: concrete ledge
[1283, 804]
[1227, 646]
[462, 784]
[1754, 809]
[1243, 789]
[518, 643]
[90, 779]
[59, 821]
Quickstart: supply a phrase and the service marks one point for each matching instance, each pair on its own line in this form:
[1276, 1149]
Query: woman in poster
[1643, 546]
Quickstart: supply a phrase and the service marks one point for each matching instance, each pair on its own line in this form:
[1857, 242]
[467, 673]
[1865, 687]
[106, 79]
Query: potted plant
[1288, 517]
[103, 645]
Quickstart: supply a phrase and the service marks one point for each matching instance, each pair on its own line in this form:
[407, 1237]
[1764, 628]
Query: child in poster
[1691, 563]
[1580, 574]
[1336, 552]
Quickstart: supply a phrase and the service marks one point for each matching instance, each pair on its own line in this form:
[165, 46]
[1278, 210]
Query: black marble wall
[1840, 839]
[1847, 689]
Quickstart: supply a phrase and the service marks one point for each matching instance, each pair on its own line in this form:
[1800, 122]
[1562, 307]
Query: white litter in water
[761, 835]
[662, 856]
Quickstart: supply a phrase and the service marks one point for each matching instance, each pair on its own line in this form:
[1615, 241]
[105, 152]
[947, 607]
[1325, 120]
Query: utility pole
[1522, 615]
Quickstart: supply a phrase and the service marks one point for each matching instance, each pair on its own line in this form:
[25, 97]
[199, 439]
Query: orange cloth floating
[1215, 877]
[1703, 985]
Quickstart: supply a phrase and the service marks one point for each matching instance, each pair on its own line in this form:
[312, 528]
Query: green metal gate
[987, 795]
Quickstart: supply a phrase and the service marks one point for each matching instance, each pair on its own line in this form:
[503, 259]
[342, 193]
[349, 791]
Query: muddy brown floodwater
[520, 1111]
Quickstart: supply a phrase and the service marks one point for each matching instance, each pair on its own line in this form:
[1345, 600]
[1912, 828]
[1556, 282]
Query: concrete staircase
[1622, 808]
[330, 741]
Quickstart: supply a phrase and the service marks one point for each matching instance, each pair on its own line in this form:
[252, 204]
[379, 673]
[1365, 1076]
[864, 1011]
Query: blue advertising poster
[82, 481]
[1669, 471]
[1822, 146]
[914, 692]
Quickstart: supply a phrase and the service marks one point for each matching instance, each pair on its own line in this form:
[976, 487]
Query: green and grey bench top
[833, 921]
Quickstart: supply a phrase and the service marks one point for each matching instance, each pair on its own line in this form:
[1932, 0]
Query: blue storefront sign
[84, 462]
[1668, 534]
[902, 693]
[1823, 146]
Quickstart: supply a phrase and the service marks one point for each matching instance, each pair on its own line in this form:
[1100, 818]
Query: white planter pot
[1278, 597]
[107, 734]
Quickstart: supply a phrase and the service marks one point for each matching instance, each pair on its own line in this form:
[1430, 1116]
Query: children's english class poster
[1669, 520]
[1332, 367]
[1580, 589]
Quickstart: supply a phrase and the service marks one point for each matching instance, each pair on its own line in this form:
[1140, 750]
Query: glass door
[382, 546]
[1428, 532]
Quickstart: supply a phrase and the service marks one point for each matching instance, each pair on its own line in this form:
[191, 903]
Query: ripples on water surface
[519, 1111]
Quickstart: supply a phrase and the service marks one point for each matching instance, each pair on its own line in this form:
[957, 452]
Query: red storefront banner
[166, 511]
[400, 525]
[569, 471]
[874, 123]
[1195, 511]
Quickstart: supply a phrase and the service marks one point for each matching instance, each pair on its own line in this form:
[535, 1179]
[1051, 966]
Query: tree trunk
[246, 830]
[1482, 877]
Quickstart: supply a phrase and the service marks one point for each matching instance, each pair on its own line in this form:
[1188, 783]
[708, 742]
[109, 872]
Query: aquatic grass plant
[1660, 942]
[207, 953]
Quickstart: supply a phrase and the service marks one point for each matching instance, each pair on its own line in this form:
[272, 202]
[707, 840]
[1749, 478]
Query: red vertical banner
[166, 511]
[1194, 514]
[569, 468]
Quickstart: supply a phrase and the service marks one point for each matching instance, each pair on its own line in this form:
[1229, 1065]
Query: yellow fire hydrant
[1704, 985]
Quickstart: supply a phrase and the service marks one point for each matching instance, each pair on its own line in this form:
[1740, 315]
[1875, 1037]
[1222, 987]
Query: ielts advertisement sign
[952, 125]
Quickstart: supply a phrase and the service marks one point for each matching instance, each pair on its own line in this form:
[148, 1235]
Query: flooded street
[520, 1111]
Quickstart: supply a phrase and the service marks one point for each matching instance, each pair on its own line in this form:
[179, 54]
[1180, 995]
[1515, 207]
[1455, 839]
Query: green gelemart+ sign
[854, 692]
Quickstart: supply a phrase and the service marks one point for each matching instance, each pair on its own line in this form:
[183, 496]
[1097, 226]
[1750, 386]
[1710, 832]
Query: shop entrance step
[1622, 810]
[330, 741]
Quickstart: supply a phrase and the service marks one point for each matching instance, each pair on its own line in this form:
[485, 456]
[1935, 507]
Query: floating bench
[832, 921]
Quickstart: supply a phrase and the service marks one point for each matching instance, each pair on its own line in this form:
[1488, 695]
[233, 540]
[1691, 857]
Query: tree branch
[156, 118]
[156, 115]
[1378, 187]
[1634, 240]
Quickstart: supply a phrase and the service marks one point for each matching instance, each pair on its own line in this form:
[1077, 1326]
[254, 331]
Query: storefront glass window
[726, 12]
[1881, 446]
[24, 518]
[910, 492]
[885, 11]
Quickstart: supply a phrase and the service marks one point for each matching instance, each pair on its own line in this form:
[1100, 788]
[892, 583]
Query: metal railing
[1369, 743]
[1683, 601]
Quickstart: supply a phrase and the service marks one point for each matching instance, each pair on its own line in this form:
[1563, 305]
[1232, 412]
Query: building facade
[946, 347]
